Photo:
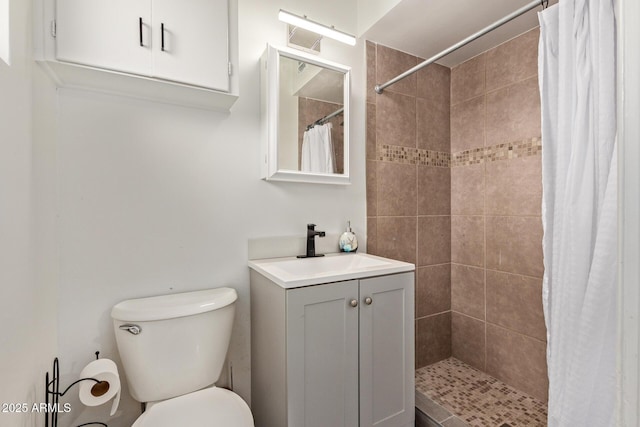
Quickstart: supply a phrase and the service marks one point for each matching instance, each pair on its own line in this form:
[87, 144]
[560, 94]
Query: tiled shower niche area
[454, 186]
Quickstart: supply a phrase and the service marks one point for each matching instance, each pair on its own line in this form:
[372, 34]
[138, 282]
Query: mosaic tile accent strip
[418, 156]
[477, 398]
[413, 156]
[509, 150]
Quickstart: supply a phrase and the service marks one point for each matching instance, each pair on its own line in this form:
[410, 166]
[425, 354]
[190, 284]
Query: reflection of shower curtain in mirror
[318, 155]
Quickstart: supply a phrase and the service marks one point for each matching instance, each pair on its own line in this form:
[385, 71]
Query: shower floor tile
[475, 398]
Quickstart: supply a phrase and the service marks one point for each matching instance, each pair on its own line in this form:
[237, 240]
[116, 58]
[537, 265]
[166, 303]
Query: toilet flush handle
[131, 328]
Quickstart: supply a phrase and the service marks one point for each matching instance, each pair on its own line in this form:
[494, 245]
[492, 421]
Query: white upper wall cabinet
[164, 50]
[185, 42]
[191, 42]
[115, 34]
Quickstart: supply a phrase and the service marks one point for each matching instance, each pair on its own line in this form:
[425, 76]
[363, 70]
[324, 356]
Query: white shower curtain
[577, 86]
[318, 154]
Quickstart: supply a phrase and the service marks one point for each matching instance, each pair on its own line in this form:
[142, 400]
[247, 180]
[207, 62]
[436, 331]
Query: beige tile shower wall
[496, 231]
[409, 186]
[454, 186]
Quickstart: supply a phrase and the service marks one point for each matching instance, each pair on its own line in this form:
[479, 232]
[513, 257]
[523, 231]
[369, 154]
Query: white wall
[155, 199]
[27, 281]
[370, 11]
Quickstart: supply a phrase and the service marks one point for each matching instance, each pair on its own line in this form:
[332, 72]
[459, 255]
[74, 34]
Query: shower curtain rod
[524, 9]
[322, 120]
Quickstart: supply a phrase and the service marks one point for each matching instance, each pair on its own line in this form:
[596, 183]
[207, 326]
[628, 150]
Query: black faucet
[311, 241]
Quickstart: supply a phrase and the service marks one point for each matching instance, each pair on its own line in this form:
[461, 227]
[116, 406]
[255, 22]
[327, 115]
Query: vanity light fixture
[307, 24]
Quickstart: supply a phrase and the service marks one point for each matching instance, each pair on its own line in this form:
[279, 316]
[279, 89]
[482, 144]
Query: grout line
[417, 231]
[513, 83]
[434, 265]
[513, 216]
[433, 315]
[498, 215]
[514, 274]
[516, 332]
[467, 315]
[467, 99]
[492, 270]
[466, 265]
[417, 180]
[412, 216]
[486, 92]
[484, 216]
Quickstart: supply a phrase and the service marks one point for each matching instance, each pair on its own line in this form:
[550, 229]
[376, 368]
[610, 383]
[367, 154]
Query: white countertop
[292, 272]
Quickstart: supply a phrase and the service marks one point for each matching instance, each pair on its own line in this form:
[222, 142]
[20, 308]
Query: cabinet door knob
[368, 300]
[354, 303]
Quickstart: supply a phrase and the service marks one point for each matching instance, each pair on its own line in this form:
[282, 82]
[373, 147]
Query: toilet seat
[211, 407]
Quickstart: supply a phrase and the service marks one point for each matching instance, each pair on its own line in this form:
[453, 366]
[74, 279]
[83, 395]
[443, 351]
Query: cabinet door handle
[140, 31]
[368, 300]
[162, 36]
[354, 303]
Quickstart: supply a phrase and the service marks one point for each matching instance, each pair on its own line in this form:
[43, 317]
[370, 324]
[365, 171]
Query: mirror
[305, 118]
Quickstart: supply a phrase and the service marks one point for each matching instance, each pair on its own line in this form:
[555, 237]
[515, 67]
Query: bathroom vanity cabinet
[337, 354]
[163, 50]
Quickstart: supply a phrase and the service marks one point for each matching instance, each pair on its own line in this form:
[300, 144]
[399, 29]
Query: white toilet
[173, 348]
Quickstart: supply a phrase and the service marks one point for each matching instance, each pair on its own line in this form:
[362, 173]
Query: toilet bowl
[173, 348]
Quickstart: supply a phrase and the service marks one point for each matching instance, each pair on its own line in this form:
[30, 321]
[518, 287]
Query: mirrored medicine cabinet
[305, 117]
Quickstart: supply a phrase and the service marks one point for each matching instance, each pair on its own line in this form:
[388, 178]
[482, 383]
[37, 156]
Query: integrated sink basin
[296, 272]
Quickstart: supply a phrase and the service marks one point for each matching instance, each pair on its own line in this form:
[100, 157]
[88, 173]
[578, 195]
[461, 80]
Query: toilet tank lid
[174, 305]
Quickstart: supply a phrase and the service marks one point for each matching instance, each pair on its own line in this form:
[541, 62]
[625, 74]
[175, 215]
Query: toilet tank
[171, 345]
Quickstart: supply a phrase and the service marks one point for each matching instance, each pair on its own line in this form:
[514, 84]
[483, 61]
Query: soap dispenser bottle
[348, 240]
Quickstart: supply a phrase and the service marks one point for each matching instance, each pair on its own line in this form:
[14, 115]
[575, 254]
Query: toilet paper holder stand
[53, 395]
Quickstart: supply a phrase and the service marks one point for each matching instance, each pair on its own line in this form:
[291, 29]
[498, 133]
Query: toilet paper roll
[108, 387]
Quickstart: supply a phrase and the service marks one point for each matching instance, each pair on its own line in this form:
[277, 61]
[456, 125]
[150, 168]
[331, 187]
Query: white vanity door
[322, 355]
[196, 42]
[105, 33]
[387, 351]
